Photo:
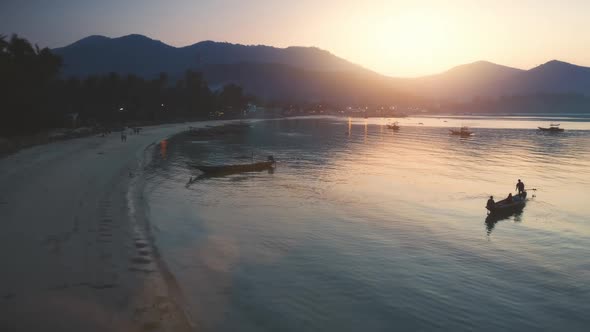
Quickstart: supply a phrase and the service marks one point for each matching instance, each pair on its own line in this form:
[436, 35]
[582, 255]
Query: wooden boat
[553, 128]
[393, 126]
[236, 168]
[463, 132]
[505, 208]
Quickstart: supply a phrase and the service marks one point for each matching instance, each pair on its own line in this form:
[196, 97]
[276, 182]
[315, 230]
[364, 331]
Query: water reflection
[373, 230]
[491, 220]
[164, 149]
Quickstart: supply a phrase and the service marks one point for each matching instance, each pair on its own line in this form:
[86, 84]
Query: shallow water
[363, 228]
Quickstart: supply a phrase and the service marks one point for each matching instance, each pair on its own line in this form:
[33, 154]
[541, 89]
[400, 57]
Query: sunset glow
[309, 165]
[398, 38]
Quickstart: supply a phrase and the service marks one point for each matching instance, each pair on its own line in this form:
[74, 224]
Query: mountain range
[312, 74]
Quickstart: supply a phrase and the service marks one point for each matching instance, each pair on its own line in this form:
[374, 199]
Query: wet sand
[75, 248]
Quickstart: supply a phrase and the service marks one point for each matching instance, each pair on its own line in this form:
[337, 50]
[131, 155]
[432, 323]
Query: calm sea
[361, 228]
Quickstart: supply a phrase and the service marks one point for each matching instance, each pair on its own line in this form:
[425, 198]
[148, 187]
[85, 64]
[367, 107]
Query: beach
[75, 250]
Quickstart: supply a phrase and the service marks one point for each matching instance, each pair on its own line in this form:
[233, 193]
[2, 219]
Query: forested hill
[140, 55]
[311, 74]
[486, 79]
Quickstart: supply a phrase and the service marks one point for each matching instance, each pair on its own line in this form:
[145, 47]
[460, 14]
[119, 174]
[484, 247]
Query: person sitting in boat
[491, 204]
[509, 198]
[520, 186]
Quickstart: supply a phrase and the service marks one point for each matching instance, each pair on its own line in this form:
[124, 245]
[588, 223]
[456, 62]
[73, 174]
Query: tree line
[33, 96]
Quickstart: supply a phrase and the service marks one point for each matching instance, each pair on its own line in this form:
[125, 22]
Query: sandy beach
[75, 250]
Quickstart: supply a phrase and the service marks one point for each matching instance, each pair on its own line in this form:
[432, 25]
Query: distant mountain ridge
[144, 56]
[486, 79]
[311, 74]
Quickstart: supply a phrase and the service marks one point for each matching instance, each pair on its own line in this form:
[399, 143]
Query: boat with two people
[463, 132]
[553, 128]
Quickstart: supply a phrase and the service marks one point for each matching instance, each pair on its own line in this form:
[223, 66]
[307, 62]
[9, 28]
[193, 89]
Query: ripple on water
[363, 228]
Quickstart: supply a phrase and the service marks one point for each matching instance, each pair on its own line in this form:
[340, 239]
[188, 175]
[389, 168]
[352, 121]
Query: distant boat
[553, 128]
[394, 126]
[463, 132]
[236, 168]
[505, 208]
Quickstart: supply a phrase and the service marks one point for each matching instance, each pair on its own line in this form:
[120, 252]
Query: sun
[411, 32]
[418, 38]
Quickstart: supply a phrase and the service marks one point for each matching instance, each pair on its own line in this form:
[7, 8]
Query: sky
[395, 37]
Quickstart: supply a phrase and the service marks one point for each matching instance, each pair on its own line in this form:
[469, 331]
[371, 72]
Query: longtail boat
[236, 168]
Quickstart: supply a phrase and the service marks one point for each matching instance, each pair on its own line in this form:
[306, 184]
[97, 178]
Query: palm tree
[27, 73]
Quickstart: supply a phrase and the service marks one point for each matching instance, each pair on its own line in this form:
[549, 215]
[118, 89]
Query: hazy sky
[398, 38]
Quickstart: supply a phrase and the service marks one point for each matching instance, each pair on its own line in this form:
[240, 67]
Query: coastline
[159, 304]
[76, 249]
[142, 230]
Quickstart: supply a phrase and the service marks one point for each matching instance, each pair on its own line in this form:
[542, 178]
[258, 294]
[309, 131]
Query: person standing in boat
[520, 186]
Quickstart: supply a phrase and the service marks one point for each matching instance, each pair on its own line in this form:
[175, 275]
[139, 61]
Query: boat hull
[503, 208]
[551, 130]
[461, 133]
[230, 169]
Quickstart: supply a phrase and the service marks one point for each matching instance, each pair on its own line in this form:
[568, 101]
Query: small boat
[394, 126]
[236, 168]
[505, 208]
[553, 128]
[463, 132]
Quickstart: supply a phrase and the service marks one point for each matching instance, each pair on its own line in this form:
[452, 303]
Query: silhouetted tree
[232, 99]
[26, 75]
[34, 98]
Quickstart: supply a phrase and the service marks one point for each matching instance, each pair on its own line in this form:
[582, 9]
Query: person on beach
[520, 186]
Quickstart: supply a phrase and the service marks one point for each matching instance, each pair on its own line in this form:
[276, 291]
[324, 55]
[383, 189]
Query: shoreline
[13, 145]
[142, 234]
[77, 250]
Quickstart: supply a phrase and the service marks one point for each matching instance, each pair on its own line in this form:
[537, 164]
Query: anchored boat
[553, 128]
[463, 132]
[236, 168]
[394, 126]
